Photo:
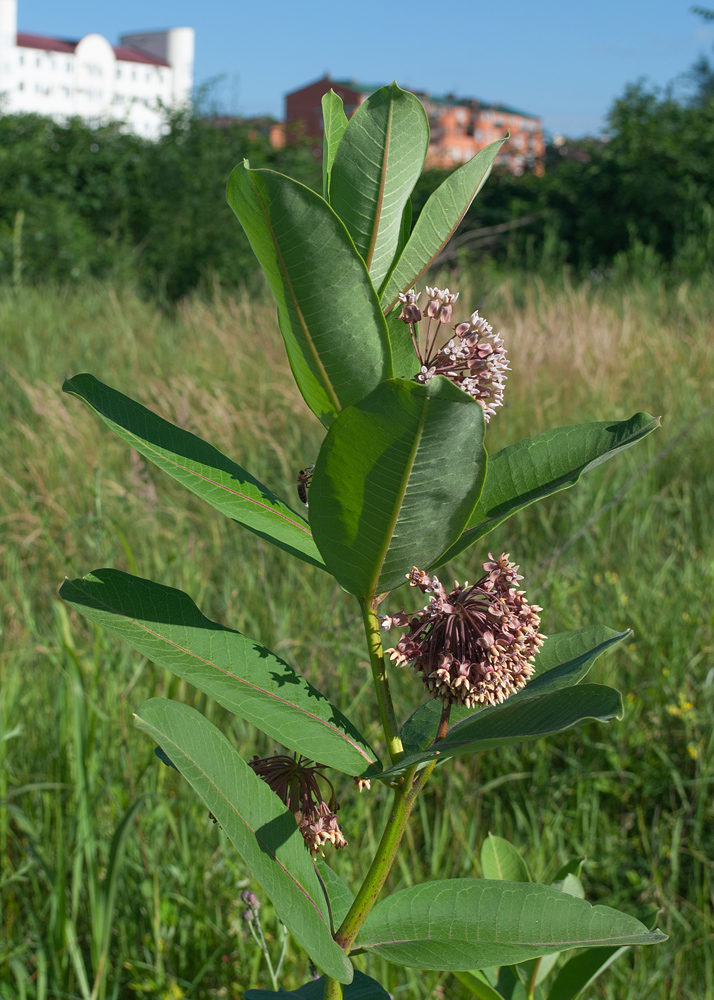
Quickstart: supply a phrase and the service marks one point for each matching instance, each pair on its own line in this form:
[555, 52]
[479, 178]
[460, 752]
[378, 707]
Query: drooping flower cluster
[295, 781]
[473, 358]
[475, 645]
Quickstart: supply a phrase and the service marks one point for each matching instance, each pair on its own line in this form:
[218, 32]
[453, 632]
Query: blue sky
[562, 59]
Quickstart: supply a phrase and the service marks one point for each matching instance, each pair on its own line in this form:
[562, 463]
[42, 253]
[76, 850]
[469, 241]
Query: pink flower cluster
[295, 781]
[475, 645]
[473, 358]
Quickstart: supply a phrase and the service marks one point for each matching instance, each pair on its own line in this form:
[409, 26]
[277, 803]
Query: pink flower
[295, 781]
[473, 358]
[474, 645]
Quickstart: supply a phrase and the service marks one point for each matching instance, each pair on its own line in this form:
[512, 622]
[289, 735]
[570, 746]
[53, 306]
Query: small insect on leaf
[304, 478]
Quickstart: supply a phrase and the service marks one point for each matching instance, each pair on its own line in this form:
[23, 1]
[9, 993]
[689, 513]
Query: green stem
[333, 989]
[381, 681]
[404, 799]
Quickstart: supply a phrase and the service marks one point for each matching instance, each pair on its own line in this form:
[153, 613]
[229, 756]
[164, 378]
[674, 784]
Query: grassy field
[155, 897]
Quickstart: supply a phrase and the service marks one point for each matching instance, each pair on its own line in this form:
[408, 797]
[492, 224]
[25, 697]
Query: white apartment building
[92, 79]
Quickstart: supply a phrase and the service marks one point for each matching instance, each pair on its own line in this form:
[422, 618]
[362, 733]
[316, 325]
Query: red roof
[122, 52]
[26, 41]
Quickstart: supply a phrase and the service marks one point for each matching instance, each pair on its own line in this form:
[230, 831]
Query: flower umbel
[295, 781]
[475, 645]
[474, 358]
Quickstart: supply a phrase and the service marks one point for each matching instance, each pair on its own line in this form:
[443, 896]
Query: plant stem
[333, 989]
[381, 681]
[404, 799]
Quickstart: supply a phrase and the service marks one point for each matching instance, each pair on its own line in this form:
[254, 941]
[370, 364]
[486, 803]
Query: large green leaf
[518, 721]
[438, 221]
[362, 987]
[397, 476]
[199, 467]
[501, 860]
[562, 661]
[466, 924]
[334, 123]
[540, 466]
[254, 819]
[334, 331]
[241, 674]
[378, 162]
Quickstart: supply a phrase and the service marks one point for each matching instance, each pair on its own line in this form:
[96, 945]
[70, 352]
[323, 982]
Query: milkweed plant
[404, 379]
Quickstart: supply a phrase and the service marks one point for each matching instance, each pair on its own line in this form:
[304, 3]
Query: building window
[22, 60]
[21, 85]
[37, 61]
[69, 66]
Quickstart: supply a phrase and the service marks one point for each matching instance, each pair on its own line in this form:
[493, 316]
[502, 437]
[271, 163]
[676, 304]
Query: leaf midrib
[382, 185]
[372, 587]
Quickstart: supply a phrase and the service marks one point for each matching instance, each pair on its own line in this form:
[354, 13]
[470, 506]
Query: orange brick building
[460, 127]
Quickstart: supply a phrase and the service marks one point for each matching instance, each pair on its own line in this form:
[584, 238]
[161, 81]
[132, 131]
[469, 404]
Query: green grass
[157, 912]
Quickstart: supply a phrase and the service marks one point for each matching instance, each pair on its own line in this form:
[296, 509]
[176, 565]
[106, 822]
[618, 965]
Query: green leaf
[562, 661]
[362, 987]
[518, 721]
[540, 466]
[501, 860]
[239, 673]
[334, 124]
[572, 867]
[477, 985]
[438, 222]
[338, 892]
[334, 331]
[199, 467]
[397, 477]
[467, 924]
[581, 970]
[378, 162]
[256, 822]
[565, 658]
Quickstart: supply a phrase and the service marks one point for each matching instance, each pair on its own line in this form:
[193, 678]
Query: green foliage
[199, 467]
[105, 203]
[460, 924]
[263, 831]
[397, 480]
[542, 465]
[239, 673]
[379, 159]
[334, 331]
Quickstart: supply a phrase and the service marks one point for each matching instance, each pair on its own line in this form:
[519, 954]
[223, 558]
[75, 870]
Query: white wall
[91, 82]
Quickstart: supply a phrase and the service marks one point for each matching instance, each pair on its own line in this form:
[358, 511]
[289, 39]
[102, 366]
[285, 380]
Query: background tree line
[77, 201]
